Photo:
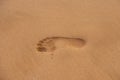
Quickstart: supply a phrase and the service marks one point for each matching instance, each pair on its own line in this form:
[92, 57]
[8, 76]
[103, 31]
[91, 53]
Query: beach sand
[24, 23]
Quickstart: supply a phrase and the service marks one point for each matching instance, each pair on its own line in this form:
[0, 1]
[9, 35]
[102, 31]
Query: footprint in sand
[51, 44]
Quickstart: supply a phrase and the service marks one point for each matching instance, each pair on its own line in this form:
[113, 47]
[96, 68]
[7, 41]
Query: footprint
[51, 44]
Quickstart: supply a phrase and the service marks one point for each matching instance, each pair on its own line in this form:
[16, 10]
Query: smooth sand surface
[23, 23]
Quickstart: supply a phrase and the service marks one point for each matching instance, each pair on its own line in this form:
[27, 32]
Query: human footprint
[50, 44]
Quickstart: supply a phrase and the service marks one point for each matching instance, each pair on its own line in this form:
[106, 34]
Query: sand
[23, 23]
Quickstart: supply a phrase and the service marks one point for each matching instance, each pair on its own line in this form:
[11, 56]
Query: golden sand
[23, 23]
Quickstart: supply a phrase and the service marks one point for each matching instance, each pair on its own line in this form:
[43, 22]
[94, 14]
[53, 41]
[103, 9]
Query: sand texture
[59, 40]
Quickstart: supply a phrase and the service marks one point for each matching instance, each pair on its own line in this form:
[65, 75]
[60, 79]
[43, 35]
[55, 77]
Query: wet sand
[23, 23]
